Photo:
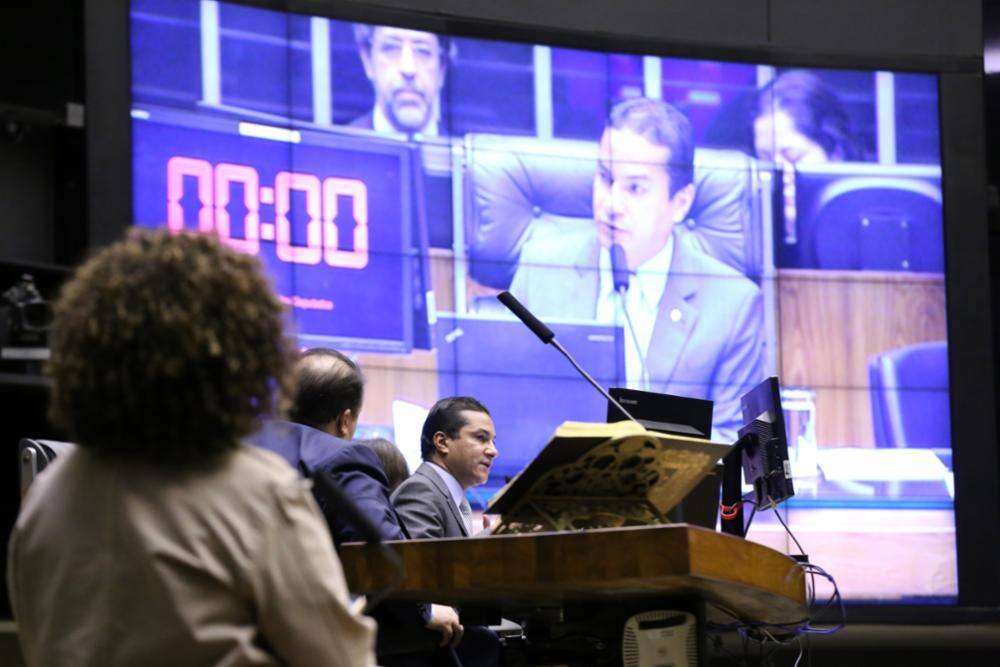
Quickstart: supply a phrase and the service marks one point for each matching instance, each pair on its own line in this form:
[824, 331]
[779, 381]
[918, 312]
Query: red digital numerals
[322, 202]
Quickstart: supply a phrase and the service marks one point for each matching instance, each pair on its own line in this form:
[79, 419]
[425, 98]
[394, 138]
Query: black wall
[56, 198]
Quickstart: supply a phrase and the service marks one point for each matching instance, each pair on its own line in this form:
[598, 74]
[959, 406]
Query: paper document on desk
[621, 460]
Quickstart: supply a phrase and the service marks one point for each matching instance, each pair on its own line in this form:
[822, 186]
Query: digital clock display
[322, 215]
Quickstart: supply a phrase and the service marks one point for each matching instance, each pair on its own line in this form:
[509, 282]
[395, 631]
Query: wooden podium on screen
[603, 476]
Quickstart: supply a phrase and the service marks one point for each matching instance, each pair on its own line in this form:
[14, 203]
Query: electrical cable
[779, 634]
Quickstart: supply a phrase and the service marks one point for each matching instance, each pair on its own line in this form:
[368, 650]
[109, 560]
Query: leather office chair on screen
[512, 181]
[877, 224]
[35, 455]
[909, 398]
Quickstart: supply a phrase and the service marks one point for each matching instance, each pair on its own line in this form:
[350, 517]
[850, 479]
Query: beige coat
[124, 564]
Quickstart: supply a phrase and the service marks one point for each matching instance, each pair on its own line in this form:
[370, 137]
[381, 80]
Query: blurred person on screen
[698, 323]
[326, 399]
[407, 70]
[161, 539]
[799, 118]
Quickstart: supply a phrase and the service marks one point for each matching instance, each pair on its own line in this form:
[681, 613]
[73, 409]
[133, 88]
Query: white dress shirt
[643, 302]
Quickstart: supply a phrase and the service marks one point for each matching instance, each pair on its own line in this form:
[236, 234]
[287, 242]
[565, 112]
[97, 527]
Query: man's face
[469, 456]
[407, 70]
[633, 206]
[776, 139]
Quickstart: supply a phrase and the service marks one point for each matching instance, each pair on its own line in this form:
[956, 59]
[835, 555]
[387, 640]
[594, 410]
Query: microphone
[537, 327]
[619, 268]
[547, 337]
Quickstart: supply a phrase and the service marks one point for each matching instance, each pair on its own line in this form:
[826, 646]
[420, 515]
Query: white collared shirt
[643, 302]
[382, 125]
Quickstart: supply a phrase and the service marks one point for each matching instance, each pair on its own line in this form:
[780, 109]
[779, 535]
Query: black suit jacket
[358, 471]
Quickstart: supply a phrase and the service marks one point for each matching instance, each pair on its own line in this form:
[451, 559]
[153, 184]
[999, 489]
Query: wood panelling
[831, 322]
[411, 377]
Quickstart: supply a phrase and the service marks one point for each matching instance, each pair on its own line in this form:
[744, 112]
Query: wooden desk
[514, 572]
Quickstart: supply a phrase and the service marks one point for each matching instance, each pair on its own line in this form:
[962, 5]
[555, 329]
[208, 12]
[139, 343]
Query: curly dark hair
[166, 348]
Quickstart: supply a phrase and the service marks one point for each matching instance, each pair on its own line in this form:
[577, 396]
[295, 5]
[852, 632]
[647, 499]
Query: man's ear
[441, 443]
[682, 200]
[365, 52]
[342, 424]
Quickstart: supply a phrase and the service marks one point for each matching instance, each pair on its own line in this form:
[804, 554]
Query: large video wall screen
[770, 220]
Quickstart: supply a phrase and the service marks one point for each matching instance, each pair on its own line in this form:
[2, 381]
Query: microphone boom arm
[592, 381]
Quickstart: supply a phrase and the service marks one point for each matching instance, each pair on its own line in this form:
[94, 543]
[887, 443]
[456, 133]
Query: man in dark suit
[457, 443]
[327, 401]
[407, 70]
[698, 324]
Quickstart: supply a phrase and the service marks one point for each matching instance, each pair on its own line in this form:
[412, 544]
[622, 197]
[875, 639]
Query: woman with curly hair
[161, 540]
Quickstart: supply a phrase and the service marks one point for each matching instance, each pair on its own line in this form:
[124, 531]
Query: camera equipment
[25, 318]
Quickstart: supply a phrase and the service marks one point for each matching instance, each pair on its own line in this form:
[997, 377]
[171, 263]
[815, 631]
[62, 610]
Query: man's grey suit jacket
[426, 507]
[708, 339]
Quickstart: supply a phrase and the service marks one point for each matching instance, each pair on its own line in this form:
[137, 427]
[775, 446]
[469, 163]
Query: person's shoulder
[691, 259]
[255, 482]
[548, 252]
[364, 122]
[258, 465]
[68, 471]
[355, 457]
[416, 484]
[553, 242]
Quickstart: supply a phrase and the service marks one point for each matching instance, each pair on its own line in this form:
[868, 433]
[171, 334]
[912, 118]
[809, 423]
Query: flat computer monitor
[678, 415]
[666, 413]
[764, 445]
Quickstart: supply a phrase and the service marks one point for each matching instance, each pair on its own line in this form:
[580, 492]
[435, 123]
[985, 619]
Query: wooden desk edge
[752, 580]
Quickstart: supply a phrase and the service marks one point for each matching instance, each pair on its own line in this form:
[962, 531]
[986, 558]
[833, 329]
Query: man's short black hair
[326, 383]
[662, 125]
[364, 33]
[446, 416]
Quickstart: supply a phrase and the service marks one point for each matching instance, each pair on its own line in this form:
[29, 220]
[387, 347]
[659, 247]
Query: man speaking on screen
[694, 325]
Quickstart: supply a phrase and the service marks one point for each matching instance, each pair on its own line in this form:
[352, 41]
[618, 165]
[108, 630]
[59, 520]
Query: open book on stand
[603, 475]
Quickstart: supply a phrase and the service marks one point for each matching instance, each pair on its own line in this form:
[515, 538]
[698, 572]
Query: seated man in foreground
[458, 448]
[327, 395]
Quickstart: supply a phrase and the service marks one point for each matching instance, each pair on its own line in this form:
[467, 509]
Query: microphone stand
[620, 279]
[546, 336]
[644, 377]
[592, 381]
